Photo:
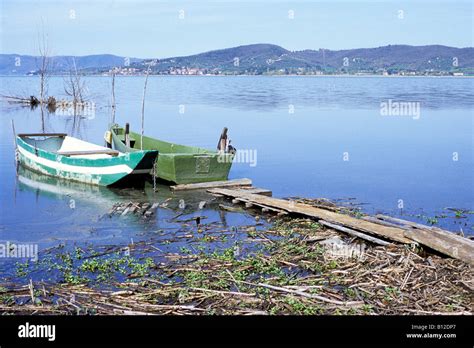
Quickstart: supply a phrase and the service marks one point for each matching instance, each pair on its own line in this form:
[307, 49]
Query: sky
[159, 29]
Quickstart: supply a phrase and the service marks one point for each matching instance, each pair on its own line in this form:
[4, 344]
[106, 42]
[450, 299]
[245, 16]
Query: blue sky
[152, 28]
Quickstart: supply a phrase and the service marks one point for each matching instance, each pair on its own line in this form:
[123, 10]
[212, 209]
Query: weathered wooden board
[354, 233]
[436, 238]
[398, 230]
[391, 233]
[381, 222]
[264, 208]
[212, 184]
[445, 242]
[400, 222]
[257, 191]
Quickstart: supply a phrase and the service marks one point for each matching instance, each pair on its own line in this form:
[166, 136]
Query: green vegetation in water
[430, 220]
[80, 266]
[201, 279]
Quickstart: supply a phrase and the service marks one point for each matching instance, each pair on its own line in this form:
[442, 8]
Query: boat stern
[144, 161]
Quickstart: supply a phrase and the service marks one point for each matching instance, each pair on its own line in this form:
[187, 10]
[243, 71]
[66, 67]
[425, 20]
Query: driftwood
[133, 208]
[304, 294]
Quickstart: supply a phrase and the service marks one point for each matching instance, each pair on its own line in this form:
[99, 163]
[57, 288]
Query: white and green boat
[60, 155]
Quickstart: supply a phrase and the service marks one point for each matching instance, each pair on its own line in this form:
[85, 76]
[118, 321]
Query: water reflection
[271, 93]
[58, 188]
[72, 211]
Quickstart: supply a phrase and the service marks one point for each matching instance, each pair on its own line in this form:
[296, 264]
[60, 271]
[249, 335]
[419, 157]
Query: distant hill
[235, 58]
[263, 57]
[416, 58]
[268, 58]
[13, 64]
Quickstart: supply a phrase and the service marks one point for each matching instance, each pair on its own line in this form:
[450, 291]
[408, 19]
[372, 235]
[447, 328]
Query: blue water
[391, 160]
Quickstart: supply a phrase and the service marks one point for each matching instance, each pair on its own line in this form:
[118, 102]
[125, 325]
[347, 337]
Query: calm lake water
[312, 137]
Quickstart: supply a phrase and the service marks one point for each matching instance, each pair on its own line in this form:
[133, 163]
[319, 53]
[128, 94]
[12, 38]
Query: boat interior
[69, 146]
[154, 144]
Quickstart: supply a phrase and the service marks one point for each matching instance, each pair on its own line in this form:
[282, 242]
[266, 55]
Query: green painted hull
[40, 157]
[178, 163]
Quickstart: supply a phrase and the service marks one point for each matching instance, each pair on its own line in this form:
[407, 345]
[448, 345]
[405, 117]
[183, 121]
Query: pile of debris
[311, 270]
[145, 210]
[379, 229]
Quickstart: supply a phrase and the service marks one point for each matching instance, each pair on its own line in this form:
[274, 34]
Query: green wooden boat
[179, 164]
[62, 156]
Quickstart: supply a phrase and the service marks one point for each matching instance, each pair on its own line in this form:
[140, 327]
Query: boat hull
[102, 171]
[179, 164]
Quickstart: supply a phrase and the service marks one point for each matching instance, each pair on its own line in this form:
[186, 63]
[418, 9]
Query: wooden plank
[265, 209]
[257, 191]
[380, 222]
[89, 152]
[436, 238]
[445, 242]
[440, 240]
[21, 135]
[401, 222]
[391, 233]
[212, 184]
[354, 233]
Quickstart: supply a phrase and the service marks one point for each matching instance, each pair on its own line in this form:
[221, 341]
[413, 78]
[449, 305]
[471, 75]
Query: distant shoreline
[248, 75]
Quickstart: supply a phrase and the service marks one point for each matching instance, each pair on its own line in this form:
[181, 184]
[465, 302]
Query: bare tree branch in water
[43, 71]
[75, 87]
[44, 63]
